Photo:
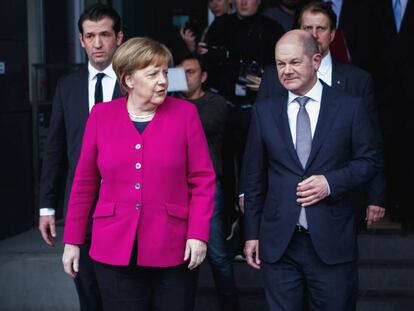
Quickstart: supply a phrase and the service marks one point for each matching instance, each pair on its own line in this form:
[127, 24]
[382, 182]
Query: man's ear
[204, 76]
[119, 38]
[317, 58]
[333, 33]
[81, 40]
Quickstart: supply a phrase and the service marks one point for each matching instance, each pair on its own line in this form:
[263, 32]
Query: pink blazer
[157, 187]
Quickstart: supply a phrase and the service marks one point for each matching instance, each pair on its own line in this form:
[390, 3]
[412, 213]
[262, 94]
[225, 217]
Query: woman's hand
[70, 259]
[195, 250]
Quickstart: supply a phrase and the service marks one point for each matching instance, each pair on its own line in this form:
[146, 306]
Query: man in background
[213, 112]
[99, 34]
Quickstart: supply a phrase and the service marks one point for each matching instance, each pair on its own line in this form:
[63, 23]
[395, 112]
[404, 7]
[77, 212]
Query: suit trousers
[300, 280]
[85, 281]
[137, 288]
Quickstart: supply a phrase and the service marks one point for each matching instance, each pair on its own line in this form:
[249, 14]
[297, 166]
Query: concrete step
[383, 245]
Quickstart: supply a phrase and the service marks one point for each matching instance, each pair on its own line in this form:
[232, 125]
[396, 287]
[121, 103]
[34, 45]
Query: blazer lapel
[327, 113]
[282, 122]
[338, 78]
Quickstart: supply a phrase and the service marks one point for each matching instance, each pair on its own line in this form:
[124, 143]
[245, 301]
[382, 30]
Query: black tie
[98, 88]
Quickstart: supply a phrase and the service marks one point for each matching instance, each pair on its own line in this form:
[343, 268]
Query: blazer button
[138, 166]
[137, 206]
[138, 146]
[137, 186]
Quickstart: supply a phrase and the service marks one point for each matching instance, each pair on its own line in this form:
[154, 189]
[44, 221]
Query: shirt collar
[326, 64]
[315, 93]
[109, 71]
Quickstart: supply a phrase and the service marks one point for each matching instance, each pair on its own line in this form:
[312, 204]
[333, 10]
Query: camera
[249, 68]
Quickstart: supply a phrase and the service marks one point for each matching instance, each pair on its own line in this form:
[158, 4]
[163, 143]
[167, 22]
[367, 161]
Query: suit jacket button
[138, 166]
[137, 186]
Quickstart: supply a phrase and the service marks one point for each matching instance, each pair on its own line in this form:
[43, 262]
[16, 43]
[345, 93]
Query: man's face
[317, 24]
[296, 71]
[246, 8]
[195, 77]
[219, 7]
[100, 42]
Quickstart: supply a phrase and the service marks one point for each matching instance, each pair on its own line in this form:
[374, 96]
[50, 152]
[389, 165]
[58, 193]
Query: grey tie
[303, 143]
[303, 132]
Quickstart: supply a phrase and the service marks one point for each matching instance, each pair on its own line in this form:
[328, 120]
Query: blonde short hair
[138, 53]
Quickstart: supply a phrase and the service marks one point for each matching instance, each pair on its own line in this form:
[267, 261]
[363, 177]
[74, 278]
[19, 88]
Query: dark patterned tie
[98, 88]
[303, 131]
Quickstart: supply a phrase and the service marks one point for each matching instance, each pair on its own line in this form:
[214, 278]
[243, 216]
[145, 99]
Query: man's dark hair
[98, 11]
[197, 57]
[319, 7]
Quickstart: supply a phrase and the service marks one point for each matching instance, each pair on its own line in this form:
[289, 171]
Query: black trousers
[86, 283]
[136, 288]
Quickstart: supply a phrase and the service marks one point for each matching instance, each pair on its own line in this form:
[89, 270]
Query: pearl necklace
[141, 117]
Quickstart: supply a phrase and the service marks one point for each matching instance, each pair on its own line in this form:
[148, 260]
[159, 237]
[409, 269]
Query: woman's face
[219, 7]
[149, 84]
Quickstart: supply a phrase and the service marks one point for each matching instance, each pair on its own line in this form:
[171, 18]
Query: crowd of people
[294, 124]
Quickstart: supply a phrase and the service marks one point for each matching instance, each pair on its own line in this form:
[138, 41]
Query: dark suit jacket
[70, 112]
[342, 150]
[355, 25]
[355, 82]
[395, 62]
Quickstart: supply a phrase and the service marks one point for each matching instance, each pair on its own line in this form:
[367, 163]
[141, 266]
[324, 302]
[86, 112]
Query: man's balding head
[297, 61]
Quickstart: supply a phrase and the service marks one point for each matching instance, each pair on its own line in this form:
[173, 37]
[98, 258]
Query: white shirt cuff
[47, 212]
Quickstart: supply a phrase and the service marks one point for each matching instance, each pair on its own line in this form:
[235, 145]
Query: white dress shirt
[108, 85]
[325, 69]
[312, 107]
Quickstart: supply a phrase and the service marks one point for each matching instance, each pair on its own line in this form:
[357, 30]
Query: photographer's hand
[189, 39]
[202, 48]
[255, 82]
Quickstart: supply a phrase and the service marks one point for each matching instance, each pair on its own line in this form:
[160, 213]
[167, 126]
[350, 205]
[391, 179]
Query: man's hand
[47, 229]
[254, 82]
[70, 259]
[312, 190]
[202, 48]
[241, 204]
[251, 251]
[195, 250]
[374, 213]
[189, 39]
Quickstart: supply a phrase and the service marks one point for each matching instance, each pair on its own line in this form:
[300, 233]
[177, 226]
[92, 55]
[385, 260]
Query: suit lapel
[338, 78]
[282, 122]
[409, 14]
[327, 113]
[83, 96]
[117, 91]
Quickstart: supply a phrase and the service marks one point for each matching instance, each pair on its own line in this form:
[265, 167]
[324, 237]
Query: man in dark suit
[100, 35]
[318, 19]
[393, 31]
[308, 148]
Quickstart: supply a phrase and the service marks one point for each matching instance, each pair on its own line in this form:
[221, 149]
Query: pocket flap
[104, 210]
[178, 211]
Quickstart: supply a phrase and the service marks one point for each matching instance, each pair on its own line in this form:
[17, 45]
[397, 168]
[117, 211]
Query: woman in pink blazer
[146, 177]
